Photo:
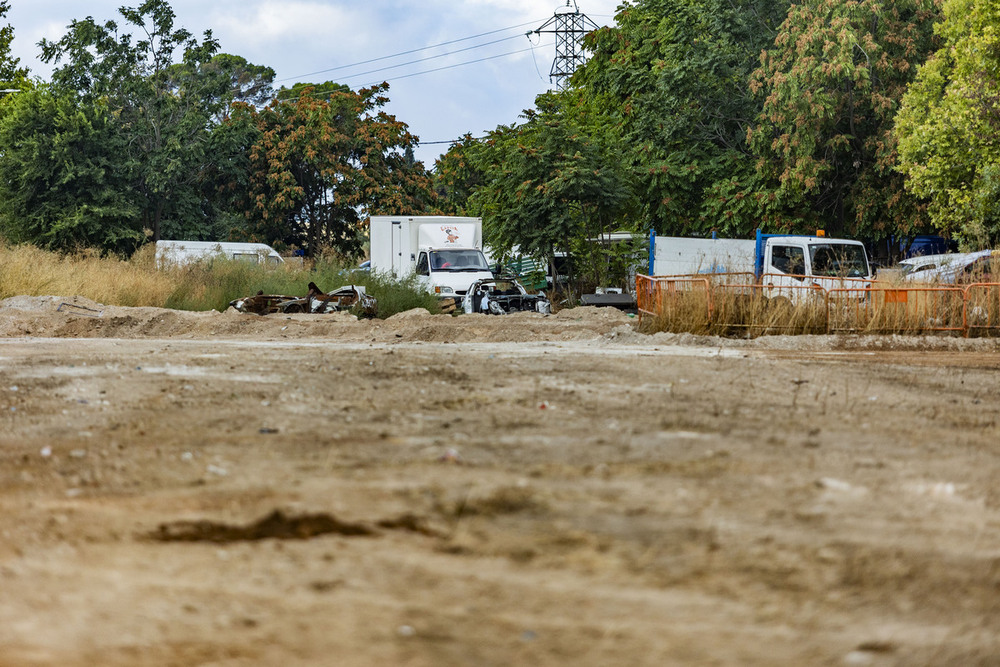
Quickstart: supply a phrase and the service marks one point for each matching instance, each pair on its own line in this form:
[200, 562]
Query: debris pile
[315, 301]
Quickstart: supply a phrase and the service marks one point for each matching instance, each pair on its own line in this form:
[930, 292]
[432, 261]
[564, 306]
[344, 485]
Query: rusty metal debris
[347, 297]
[79, 310]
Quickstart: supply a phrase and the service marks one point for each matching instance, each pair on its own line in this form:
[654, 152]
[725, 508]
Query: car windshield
[842, 260]
[458, 260]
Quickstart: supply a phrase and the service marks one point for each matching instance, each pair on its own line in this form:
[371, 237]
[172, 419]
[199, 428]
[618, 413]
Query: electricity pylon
[569, 25]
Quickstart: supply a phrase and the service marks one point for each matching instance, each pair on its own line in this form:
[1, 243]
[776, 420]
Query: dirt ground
[226, 489]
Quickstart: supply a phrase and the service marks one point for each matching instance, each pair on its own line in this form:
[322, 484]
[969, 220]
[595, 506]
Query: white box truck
[774, 261]
[444, 252]
[179, 253]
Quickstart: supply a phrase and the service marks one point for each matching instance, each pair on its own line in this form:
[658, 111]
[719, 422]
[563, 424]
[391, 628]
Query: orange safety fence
[777, 309]
[728, 302]
[982, 309]
[730, 278]
[890, 309]
[653, 293]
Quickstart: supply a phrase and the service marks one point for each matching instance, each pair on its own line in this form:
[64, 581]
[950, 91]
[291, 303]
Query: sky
[328, 40]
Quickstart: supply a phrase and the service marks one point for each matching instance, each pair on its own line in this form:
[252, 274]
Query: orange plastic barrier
[982, 309]
[878, 309]
[652, 292]
[732, 302]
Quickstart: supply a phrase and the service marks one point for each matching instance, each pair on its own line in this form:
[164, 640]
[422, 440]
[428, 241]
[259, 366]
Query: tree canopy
[949, 125]
[325, 158]
[547, 182]
[669, 83]
[831, 86]
[147, 132]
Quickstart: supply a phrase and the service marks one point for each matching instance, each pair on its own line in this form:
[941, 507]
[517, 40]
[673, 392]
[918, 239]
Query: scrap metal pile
[348, 297]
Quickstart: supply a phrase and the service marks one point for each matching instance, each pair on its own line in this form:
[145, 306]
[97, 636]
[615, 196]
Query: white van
[179, 253]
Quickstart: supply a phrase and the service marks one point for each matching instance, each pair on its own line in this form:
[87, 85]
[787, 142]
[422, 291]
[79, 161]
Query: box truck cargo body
[444, 252]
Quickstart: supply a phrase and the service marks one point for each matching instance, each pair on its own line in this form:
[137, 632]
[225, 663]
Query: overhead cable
[468, 62]
[412, 74]
[406, 53]
[440, 55]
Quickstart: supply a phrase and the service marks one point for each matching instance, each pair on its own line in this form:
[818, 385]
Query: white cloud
[296, 23]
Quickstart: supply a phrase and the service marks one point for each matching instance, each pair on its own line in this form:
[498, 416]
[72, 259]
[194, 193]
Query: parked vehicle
[444, 252]
[959, 267]
[780, 264]
[928, 244]
[499, 296]
[180, 253]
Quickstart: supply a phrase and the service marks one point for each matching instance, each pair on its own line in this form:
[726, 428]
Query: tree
[58, 186]
[455, 176]
[326, 158]
[669, 83]
[831, 86]
[11, 76]
[547, 183]
[59, 183]
[163, 111]
[949, 125]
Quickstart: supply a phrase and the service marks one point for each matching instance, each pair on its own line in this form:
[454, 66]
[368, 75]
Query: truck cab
[449, 272]
[788, 264]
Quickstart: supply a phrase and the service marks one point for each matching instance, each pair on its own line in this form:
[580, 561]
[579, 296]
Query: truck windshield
[458, 260]
[841, 260]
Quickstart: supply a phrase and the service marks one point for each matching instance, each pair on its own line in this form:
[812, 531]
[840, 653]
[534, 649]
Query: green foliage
[831, 86]
[324, 159]
[949, 125]
[162, 112]
[456, 177]
[11, 76]
[59, 183]
[669, 85]
[397, 295]
[547, 181]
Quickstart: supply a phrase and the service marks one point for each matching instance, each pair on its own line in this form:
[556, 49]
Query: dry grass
[886, 308]
[27, 270]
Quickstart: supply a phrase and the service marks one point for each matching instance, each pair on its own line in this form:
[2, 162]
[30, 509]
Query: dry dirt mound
[78, 317]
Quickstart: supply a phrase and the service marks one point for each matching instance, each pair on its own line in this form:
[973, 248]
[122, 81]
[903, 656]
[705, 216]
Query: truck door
[423, 266]
[787, 259]
[784, 268]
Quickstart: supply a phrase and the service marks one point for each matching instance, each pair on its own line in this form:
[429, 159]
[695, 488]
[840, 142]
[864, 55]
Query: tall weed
[32, 271]
[212, 284]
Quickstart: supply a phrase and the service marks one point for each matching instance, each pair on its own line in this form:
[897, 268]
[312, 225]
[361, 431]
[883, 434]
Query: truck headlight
[444, 289]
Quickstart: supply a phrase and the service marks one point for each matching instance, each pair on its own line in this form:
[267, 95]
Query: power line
[429, 71]
[406, 53]
[468, 62]
[441, 55]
